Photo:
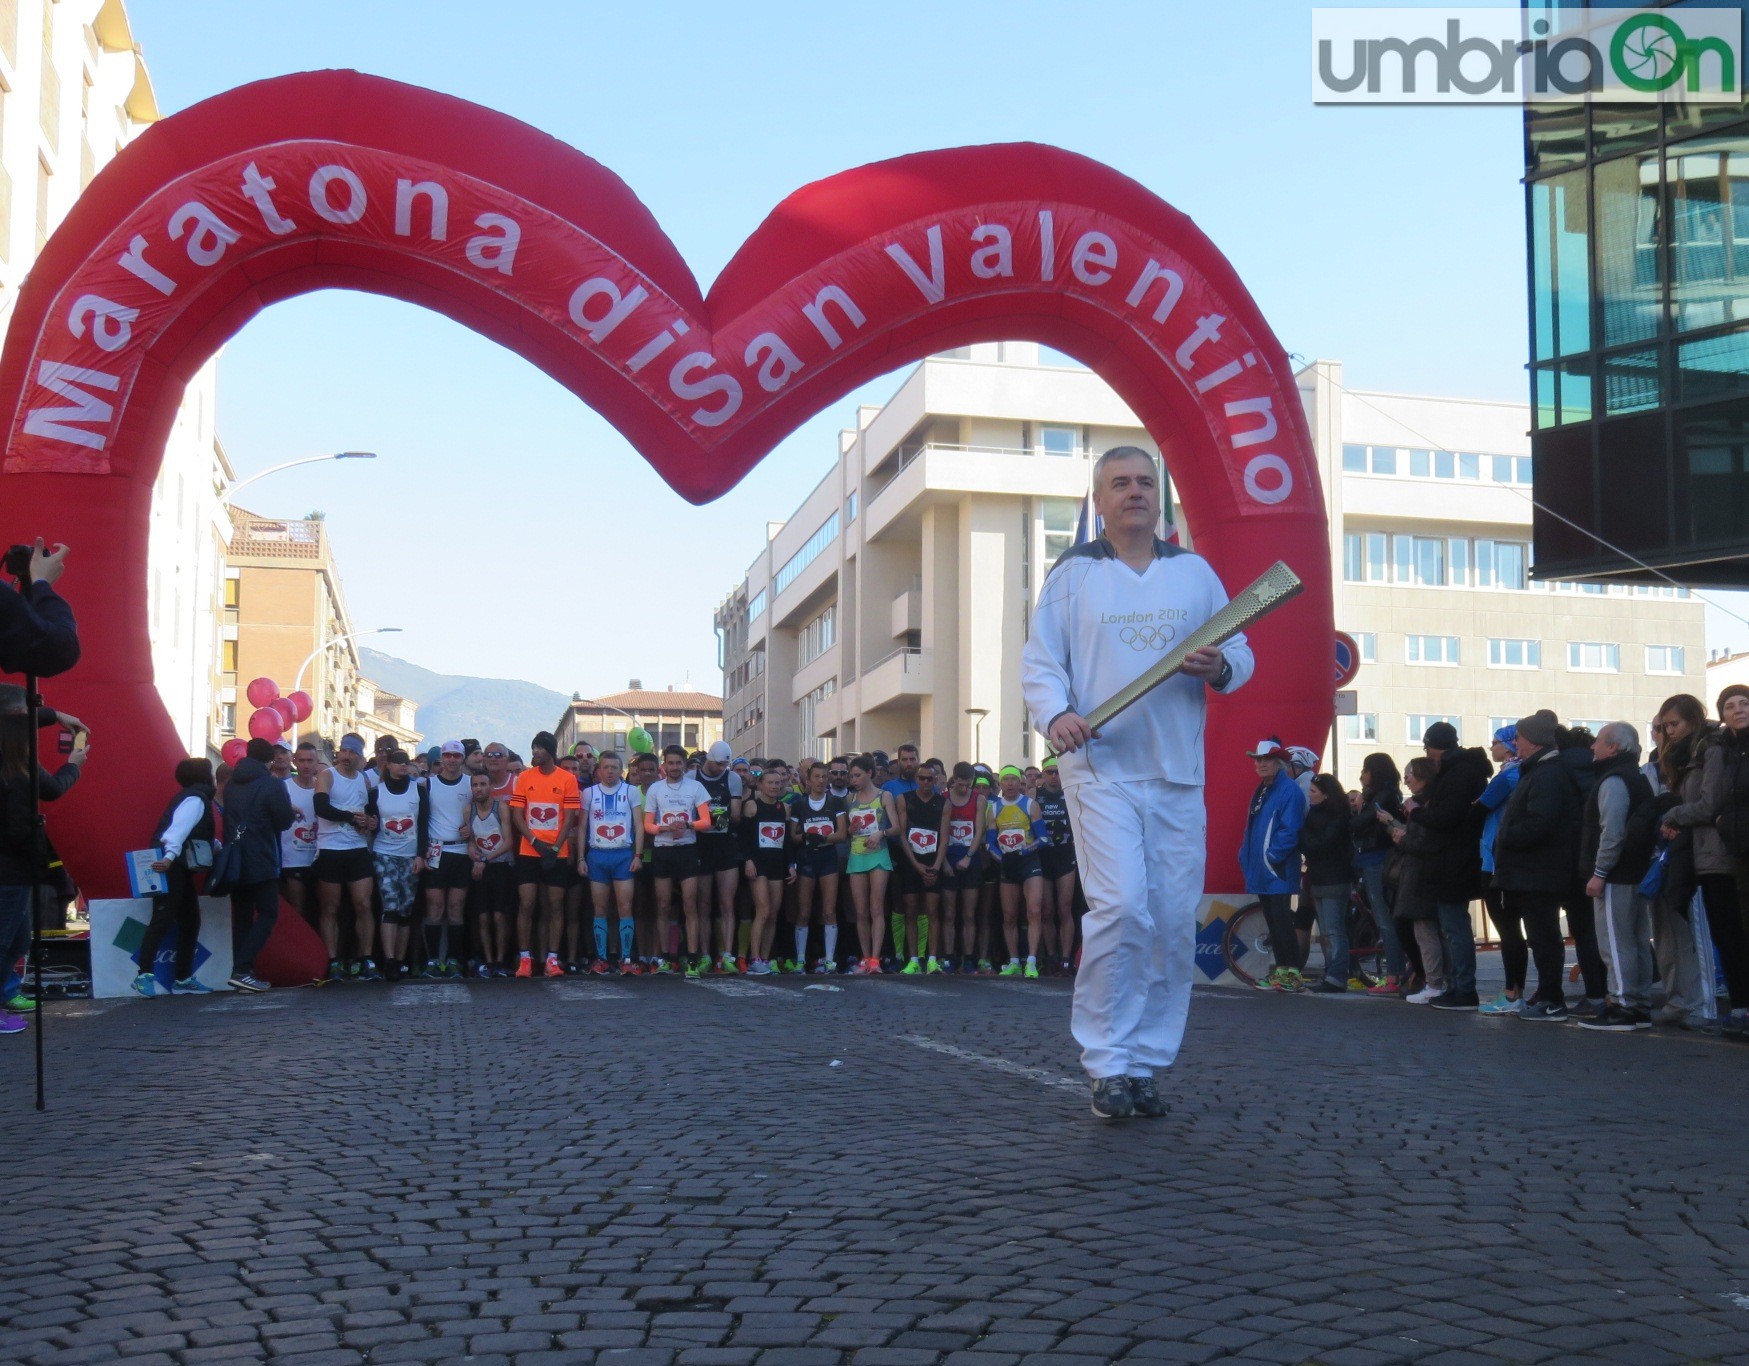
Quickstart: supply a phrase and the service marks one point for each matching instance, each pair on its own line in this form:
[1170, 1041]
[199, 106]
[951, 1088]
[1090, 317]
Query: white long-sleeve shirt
[182, 823]
[1097, 627]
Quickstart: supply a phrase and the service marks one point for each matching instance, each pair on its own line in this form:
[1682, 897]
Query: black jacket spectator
[1536, 848]
[18, 850]
[1451, 852]
[1370, 835]
[1733, 818]
[37, 632]
[1324, 842]
[256, 810]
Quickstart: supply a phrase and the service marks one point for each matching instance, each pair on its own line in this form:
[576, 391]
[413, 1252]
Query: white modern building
[893, 603]
[73, 92]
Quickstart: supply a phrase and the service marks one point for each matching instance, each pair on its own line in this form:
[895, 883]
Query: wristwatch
[1224, 677]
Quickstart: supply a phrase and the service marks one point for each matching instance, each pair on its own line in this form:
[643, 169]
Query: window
[1363, 557]
[691, 741]
[818, 636]
[1502, 564]
[808, 708]
[1432, 649]
[1358, 728]
[1513, 653]
[1419, 560]
[227, 718]
[1384, 459]
[850, 506]
[1369, 646]
[1060, 516]
[1059, 440]
[1665, 659]
[756, 608]
[804, 557]
[1354, 459]
[1594, 657]
[1457, 551]
[228, 656]
[1416, 726]
[233, 591]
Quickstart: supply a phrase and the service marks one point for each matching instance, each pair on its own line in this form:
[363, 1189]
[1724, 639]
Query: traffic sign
[1347, 659]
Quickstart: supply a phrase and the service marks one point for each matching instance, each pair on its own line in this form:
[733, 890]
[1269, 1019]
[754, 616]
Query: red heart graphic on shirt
[610, 832]
[489, 842]
[543, 816]
[303, 834]
[398, 825]
[771, 832]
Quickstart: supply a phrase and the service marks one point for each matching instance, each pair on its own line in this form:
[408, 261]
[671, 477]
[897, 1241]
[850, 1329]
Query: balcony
[904, 674]
[937, 472]
[908, 609]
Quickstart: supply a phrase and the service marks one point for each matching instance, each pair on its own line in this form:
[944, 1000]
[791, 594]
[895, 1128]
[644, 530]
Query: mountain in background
[453, 706]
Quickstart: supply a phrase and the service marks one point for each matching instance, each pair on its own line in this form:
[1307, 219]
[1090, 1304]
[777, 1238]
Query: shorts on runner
[717, 854]
[867, 863]
[1019, 868]
[1057, 860]
[529, 870]
[953, 880]
[452, 872]
[816, 861]
[771, 864]
[675, 863]
[344, 865]
[609, 865]
[397, 885]
[911, 881]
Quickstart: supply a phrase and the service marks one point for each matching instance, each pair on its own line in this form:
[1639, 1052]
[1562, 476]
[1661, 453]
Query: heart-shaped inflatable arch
[340, 180]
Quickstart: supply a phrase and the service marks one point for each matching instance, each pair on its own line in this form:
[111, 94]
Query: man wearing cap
[1451, 868]
[719, 851]
[1108, 610]
[449, 872]
[1269, 857]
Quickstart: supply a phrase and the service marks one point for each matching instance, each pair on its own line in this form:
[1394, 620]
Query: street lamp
[230, 493]
[978, 732]
[606, 706]
[338, 640]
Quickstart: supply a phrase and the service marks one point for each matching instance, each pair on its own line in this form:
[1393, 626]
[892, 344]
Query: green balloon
[640, 741]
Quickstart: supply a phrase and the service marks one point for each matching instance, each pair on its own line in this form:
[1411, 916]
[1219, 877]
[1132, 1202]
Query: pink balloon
[284, 710]
[233, 751]
[261, 692]
[302, 706]
[266, 725]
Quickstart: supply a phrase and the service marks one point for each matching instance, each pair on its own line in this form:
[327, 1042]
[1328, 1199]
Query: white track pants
[1140, 847]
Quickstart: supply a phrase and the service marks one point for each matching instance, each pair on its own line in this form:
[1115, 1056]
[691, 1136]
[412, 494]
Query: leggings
[1718, 893]
[1514, 952]
[177, 906]
[1284, 939]
[1540, 913]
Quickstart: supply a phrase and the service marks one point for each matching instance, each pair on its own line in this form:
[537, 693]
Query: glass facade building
[1638, 228]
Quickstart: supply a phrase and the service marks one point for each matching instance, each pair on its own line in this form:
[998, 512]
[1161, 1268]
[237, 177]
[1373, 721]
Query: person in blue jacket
[1514, 952]
[1270, 859]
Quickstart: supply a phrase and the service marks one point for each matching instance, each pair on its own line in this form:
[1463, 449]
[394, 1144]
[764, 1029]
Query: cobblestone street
[892, 1173]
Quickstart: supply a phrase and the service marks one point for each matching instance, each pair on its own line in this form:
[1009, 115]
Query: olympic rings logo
[1147, 637]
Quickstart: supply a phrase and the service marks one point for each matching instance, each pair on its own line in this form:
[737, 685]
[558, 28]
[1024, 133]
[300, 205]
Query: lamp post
[338, 640]
[607, 706]
[230, 493]
[978, 732]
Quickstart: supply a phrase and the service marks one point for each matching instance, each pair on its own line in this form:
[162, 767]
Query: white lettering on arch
[83, 405]
[1282, 485]
[356, 201]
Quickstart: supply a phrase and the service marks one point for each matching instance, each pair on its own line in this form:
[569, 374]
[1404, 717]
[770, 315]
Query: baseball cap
[1268, 749]
[719, 752]
[284, 742]
[452, 747]
[353, 742]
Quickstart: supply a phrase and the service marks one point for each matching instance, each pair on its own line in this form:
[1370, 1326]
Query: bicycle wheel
[1366, 951]
[1246, 944]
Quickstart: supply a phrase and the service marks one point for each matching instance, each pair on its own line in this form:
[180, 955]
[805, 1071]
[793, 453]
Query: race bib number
[862, 822]
[611, 834]
[817, 825]
[1010, 841]
[433, 852]
[771, 834]
[303, 836]
[924, 841]
[542, 817]
[960, 832]
[488, 843]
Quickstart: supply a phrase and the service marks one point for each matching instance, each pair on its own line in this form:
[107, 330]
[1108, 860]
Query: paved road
[661, 1172]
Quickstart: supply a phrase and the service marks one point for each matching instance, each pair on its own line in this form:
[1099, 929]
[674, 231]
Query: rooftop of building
[652, 699]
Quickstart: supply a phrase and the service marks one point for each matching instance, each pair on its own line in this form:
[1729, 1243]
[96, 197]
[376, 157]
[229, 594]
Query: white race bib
[924, 841]
[771, 834]
[1010, 841]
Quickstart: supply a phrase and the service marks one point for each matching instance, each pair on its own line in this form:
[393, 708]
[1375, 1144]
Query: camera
[18, 562]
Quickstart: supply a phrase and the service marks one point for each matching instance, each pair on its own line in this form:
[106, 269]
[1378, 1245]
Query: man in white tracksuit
[1109, 609]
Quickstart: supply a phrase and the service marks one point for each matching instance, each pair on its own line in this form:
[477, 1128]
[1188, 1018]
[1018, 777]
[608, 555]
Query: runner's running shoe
[1030, 972]
[912, 968]
[21, 1004]
[1385, 986]
[599, 968]
[367, 971]
[932, 967]
[483, 970]
[1010, 969]
[186, 986]
[554, 967]
[524, 966]
[627, 968]
[985, 968]
[144, 984]
[692, 968]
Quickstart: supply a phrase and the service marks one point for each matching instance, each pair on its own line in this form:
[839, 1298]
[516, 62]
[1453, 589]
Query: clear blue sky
[1391, 239]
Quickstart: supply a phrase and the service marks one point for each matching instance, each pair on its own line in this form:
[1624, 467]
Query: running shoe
[1544, 1012]
[1356, 984]
[1270, 981]
[451, 968]
[525, 966]
[1145, 1099]
[1295, 981]
[20, 1004]
[189, 986]
[367, 971]
[1030, 972]
[1385, 986]
[692, 968]
[1591, 1008]
[1735, 1025]
[499, 970]
[144, 984]
[1065, 968]
[760, 968]
[663, 968]
[554, 967]
[1010, 969]
[242, 981]
[733, 965]
[950, 967]
[912, 968]
[10, 1023]
[483, 971]
[627, 968]
[599, 968]
[875, 967]
[1111, 1098]
[1426, 996]
[354, 968]
[985, 968]
[823, 968]
[1501, 1005]
[859, 968]
[739, 963]
[931, 968]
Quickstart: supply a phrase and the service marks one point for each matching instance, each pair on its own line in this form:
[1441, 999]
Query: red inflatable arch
[339, 180]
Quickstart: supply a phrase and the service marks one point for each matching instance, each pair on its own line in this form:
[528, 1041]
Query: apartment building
[892, 605]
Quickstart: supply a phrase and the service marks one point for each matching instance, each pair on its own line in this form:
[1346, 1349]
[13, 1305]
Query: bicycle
[1249, 956]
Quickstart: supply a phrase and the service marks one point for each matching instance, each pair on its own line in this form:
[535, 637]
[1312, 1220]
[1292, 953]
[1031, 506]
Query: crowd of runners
[473, 860]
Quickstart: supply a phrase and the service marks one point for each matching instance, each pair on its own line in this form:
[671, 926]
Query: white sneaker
[1425, 995]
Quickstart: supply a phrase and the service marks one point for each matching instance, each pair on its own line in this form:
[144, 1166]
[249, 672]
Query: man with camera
[37, 632]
